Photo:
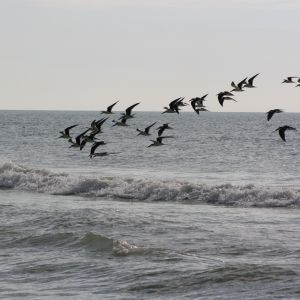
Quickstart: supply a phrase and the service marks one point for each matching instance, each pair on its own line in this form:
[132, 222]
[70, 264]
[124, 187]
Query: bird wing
[240, 84]
[281, 132]
[290, 128]
[109, 108]
[67, 130]
[233, 84]
[148, 128]
[78, 137]
[203, 97]
[250, 80]
[221, 100]
[193, 103]
[270, 114]
[173, 103]
[129, 109]
[94, 147]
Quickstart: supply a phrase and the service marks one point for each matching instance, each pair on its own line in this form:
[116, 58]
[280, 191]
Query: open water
[212, 214]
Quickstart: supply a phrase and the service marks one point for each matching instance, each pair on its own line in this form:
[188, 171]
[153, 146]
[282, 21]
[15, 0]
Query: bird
[121, 123]
[158, 141]
[289, 79]
[222, 96]
[197, 104]
[96, 125]
[146, 130]
[94, 147]
[239, 86]
[109, 109]
[281, 130]
[128, 111]
[193, 104]
[271, 112]
[66, 133]
[162, 128]
[174, 106]
[79, 142]
[249, 84]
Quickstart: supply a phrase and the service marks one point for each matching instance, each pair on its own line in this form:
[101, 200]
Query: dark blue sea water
[212, 214]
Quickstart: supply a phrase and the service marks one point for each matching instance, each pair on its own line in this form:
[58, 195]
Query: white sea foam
[44, 181]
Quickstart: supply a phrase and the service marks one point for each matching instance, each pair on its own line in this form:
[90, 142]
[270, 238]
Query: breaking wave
[18, 177]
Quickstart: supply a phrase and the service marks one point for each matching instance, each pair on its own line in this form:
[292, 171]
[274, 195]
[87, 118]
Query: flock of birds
[197, 103]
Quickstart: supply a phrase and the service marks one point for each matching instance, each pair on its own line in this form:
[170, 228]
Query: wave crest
[44, 181]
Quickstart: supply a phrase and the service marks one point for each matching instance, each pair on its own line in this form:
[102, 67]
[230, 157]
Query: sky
[87, 54]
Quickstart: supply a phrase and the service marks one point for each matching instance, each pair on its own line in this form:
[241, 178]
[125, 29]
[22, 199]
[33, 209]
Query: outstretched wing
[148, 128]
[109, 108]
[130, 108]
[250, 80]
[67, 130]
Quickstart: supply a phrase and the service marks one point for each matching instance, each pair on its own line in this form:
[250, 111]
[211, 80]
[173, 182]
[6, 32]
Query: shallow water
[213, 214]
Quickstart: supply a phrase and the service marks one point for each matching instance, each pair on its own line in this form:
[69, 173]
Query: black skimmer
[96, 125]
[128, 111]
[79, 141]
[239, 86]
[162, 128]
[281, 130]
[146, 130]
[158, 141]
[66, 133]
[109, 109]
[121, 123]
[271, 112]
[174, 106]
[94, 147]
[289, 79]
[222, 96]
[249, 83]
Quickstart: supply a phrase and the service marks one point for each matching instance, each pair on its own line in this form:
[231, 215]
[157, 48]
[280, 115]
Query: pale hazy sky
[86, 54]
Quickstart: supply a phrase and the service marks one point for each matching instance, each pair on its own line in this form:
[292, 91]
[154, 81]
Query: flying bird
[222, 96]
[146, 130]
[174, 106]
[94, 147]
[79, 141]
[239, 86]
[281, 130]
[109, 109]
[128, 111]
[271, 112]
[289, 79]
[162, 128]
[66, 133]
[249, 84]
[120, 123]
[158, 141]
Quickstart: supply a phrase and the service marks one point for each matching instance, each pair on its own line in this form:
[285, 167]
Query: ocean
[211, 214]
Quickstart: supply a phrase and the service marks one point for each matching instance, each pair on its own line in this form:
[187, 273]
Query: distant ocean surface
[212, 214]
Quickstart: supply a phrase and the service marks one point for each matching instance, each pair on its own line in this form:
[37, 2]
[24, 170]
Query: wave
[89, 241]
[18, 177]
